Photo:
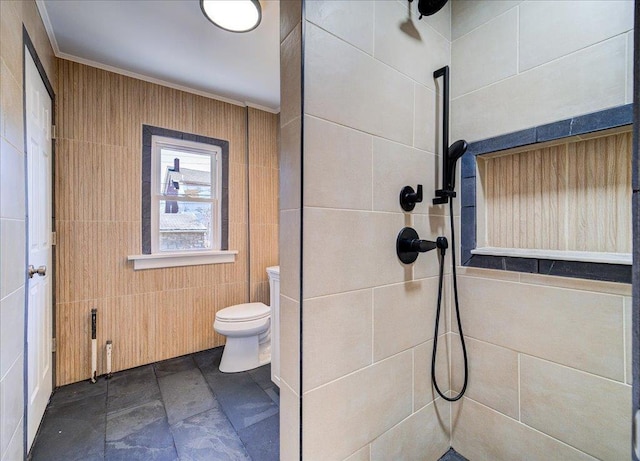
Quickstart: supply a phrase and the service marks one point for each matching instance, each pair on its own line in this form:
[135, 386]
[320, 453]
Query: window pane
[186, 174]
[184, 225]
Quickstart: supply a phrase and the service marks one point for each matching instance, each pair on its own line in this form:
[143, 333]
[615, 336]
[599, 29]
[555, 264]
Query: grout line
[519, 390]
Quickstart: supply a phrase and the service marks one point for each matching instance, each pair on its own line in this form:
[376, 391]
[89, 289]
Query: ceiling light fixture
[233, 15]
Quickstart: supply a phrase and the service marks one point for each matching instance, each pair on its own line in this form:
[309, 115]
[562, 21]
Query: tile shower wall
[549, 356]
[369, 129]
[13, 14]
[154, 314]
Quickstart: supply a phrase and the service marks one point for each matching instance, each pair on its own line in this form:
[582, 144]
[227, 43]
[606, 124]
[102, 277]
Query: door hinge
[54, 135]
[54, 345]
[54, 238]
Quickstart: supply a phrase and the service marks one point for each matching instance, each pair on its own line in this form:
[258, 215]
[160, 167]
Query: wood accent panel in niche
[574, 196]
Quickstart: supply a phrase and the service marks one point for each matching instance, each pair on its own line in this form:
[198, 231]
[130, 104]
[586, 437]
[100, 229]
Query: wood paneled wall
[263, 190]
[152, 314]
[573, 196]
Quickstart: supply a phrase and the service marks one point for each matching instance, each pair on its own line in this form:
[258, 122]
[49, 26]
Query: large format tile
[12, 196]
[629, 98]
[206, 436]
[337, 336]
[289, 245]
[411, 46]
[363, 406]
[337, 166]
[168, 367]
[541, 321]
[132, 387]
[425, 117]
[585, 411]
[11, 329]
[290, 428]
[364, 454]
[493, 47]
[569, 86]
[349, 87]
[12, 245]
[493, 375]
[337, 17]
[185, 394]
[262, 440]
[466, 16]
[152, 443]
[423, 435]
[628, 339]
[290, 342]
[79, 391]
[290, 182]
[549, 30]
[482, 434]
[291, 76]
[11, 402]
[14, 449]
[74, 430]
[123, 423]
[290, 16]
[423, 390]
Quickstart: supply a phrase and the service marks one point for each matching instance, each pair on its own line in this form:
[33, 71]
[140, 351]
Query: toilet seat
[243, 313]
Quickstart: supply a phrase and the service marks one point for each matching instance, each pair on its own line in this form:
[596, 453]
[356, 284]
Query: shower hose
[455, 297]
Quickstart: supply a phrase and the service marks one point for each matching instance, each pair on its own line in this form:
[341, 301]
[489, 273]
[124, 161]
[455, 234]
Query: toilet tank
[274, 296]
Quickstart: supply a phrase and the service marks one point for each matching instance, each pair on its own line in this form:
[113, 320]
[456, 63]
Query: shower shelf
[582, 256]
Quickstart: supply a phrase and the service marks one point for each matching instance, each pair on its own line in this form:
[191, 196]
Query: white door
[39, 307]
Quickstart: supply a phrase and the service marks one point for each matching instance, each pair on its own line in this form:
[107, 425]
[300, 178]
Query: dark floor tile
[452, 455]
[262, 376]
[78, 391]
[168, 367]
[185, 394]
[209, 359]
[274, 393]
[243, 401]
[152, 443]
[208, 436]
[123, 423]
[73, 431]
[262, 440]
[131, 388]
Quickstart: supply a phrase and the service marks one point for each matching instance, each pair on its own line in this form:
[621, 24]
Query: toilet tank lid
[244, 312]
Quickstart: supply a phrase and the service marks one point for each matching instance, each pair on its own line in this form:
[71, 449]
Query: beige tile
[493, 374]
[12, 179]
[585, 411]
[291, 76]
[629, 98]
[407, 44]
[11, 329]
[337, 17]
[423, 435]
[362, 406]
[11, 400]
[466, 16]
[12, 255]
[290, 165]
[349, 87]
[364, 454]
[396, 166]
[14, 450]
[479, 272]
[564, 88]
[628, 339]
[423, 391]
[404, 316]
[492, 47]
[440, 22]
[11, 37]
[289, 245]
[482, 434]
[424, 120]
[11, 108]
[289, 424]
[290, 342]
[541, 321]
[290, 16]
[549, 29]
[337, 335]
[337, 164]
[612, 288]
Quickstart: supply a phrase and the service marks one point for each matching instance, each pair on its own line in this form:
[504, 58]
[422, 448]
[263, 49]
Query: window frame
[215, 153]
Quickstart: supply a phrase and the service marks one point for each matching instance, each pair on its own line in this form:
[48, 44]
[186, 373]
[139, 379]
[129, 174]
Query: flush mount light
[233, 15]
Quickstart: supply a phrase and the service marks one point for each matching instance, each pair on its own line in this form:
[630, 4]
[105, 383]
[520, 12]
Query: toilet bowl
[248, 331]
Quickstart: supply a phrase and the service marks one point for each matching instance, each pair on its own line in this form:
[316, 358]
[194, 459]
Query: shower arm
[442, 195]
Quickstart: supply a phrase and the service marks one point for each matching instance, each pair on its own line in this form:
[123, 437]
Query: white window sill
[583, 256]
[196, 258]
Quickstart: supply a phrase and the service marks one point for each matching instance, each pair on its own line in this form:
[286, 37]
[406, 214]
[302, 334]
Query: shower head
[454, 152]
[429, 7]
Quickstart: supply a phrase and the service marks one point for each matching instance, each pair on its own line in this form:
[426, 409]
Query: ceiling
[171, 42]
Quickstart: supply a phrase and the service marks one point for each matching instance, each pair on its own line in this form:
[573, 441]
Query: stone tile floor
[182, 408]
[452, 455]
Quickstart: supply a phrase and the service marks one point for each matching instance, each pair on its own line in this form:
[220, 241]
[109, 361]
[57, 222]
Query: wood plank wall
[573, 196]
[263, 190]
[149, 315]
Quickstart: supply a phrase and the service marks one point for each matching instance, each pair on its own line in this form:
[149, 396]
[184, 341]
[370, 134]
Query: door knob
[41, 271]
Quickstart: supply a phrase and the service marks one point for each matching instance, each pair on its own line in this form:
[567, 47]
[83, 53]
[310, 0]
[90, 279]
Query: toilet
[248, 331]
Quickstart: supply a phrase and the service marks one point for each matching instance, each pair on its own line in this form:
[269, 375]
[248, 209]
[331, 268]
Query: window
[184, 200]
[185, 195]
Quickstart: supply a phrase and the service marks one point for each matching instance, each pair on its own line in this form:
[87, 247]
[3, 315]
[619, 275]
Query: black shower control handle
[422, 246]
[409, 197]
[409, 245]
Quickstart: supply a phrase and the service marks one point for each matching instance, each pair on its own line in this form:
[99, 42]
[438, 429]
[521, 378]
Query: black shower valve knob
[409, 197]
